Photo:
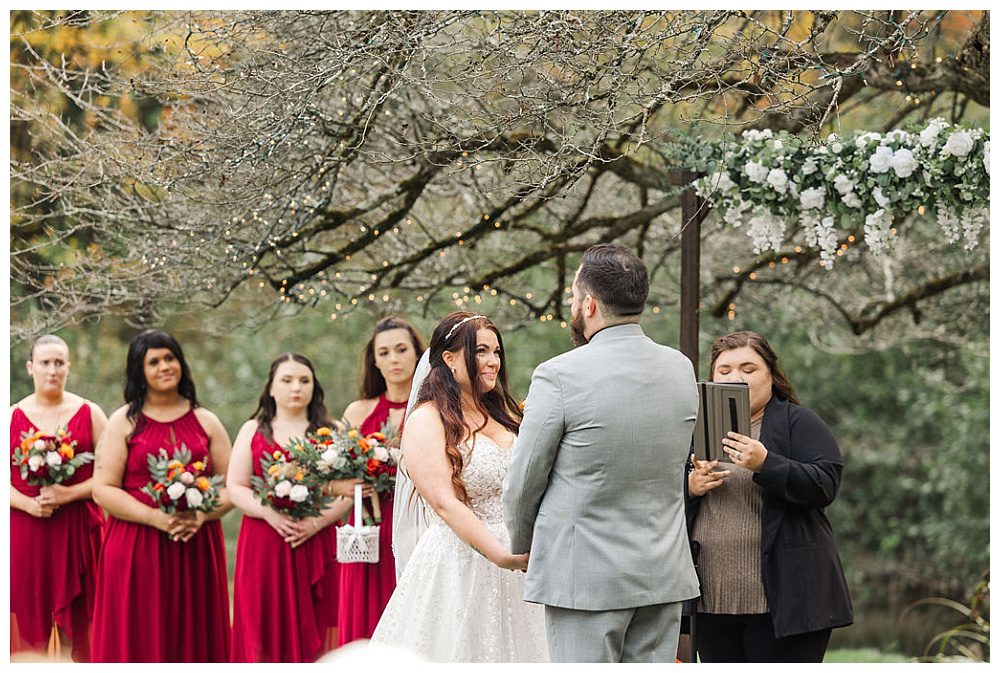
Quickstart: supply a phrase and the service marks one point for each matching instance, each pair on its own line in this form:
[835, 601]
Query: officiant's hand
[702, 479]
[744, 451]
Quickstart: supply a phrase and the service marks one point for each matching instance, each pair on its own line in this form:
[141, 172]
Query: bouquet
[373, 460]
[44, 459]
[289, 484]
[326, 457]
[180, 484]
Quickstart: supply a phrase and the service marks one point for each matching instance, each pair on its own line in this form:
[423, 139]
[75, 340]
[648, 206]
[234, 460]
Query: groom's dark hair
[617, 279]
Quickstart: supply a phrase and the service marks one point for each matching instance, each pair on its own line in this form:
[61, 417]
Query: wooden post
[693, 210]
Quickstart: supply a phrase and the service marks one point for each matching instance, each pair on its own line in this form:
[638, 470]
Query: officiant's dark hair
[372, 382]
[266, 408]
[780, 385]
[616, 278]
[459, 331]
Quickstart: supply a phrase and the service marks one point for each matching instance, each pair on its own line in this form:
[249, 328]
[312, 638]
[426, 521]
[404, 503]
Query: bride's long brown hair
[441, 388]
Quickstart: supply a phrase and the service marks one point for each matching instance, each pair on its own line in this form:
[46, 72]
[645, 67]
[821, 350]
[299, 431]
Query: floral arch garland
[770, 180]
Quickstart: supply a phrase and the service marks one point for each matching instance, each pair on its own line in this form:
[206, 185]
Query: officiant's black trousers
[745, 638]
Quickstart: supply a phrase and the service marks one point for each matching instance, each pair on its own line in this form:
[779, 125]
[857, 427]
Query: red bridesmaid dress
[284, 599]
[53, 561]
[365, 588]
[159, 600]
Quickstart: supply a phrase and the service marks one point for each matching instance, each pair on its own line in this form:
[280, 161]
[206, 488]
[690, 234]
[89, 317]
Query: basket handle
[358, 521]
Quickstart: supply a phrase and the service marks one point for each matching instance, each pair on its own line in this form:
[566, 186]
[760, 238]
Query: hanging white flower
[973, 221]
[877, 230]
[193, 497]
[903, 163]
[959, 144]
[282, 488]
[843, 184]
[880, 161]
[766, 231]
[986, 156]
[298, 493]
[176, 490]
[778, 179]
[813, 198]
[734, 215]
[948, 221]
[755, 171]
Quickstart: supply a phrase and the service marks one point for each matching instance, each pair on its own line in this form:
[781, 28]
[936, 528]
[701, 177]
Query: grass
[864, 655]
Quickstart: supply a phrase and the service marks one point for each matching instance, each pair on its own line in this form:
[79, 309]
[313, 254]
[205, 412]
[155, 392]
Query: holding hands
[744, 451]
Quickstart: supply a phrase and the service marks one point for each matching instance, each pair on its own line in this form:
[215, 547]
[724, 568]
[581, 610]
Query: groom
[595, 486]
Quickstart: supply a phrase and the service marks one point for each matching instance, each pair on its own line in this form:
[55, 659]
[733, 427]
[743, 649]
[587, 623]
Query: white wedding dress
[453, 605]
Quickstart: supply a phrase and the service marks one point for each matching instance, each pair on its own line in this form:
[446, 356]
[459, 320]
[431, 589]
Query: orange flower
[324, 432]
[299, 475]
[352, 433]
[363, 443]
[157, 487]
[198, 466]
[377, 435]
[67, 451]
[203, 483]
[277, 455]
[522, 405]
[175, 464]
[274, 469]
[371, 466]
[171, 473]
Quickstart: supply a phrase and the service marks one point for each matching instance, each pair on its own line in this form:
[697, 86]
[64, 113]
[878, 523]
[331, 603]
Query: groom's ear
[590, 305]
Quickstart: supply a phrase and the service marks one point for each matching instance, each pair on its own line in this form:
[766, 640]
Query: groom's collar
[614, 331]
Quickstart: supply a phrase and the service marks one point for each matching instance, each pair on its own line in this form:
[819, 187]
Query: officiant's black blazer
[803, 580]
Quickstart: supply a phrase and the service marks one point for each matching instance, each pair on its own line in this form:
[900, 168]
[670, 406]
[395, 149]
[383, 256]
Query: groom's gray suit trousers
[642, 635]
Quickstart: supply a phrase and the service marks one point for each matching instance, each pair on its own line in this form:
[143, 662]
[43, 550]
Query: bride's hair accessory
[459, 324]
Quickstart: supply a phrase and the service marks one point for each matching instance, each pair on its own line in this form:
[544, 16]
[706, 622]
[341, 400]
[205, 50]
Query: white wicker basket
[357, 543]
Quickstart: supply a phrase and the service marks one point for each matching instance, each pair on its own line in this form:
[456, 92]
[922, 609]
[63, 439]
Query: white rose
[766, 133]
[395, 454]
[330, 455]
[837, 148]
[721, 181]
[755, 171]
[778, 179]
[986, 156]
[852, 200]
[35, 462]
[903, 163]
[843, 184]
[832, 137]
[813, 198]
[53, 458]
[176, 490]
[959, 144]
[39, 445]
[930, 134]
[298, 493]
[880, 198]
[187, 478]
[194, 497]
[381, 453]
[809, 166]
[879, 162]
[282, 488]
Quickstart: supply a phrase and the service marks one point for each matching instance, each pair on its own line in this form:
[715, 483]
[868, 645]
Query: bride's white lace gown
[453, 605]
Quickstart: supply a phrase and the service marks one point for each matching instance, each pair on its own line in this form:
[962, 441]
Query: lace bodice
[483, 471]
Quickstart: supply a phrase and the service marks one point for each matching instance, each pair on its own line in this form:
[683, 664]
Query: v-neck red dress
[53, 561]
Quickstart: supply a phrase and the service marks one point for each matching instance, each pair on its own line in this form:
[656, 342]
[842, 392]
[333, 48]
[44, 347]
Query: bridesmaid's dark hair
[266, 408]
[135, 373]
[780, 385]
[441, 388]
[372, 381]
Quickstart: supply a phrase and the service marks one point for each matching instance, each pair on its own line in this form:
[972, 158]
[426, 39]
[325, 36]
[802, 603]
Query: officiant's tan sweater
[728, 528]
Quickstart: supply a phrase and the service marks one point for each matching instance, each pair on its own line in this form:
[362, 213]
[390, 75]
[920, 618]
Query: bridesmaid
[285, 582]
[389, 362]
[55, 531]
[162, 593]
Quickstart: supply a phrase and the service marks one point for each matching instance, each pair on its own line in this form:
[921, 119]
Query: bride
[459, 597]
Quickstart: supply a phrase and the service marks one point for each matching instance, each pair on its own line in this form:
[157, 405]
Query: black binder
[722, 408]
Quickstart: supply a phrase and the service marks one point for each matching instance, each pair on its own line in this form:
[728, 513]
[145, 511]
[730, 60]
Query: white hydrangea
[298, 493]
[903, 163]
[881, 160]
[843, 184]
[959, 144]
[755, 171]
[813, 198]
[767, 232]
[193, 497]
[778, 179]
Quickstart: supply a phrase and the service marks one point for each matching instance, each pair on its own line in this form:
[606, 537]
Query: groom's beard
[576, 334]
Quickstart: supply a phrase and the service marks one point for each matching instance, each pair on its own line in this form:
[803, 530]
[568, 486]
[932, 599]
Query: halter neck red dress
[284, 599]
[159, 600]
[365, 588]
[53, 561]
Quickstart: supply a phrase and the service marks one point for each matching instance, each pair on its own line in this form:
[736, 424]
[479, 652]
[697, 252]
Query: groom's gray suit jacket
[595, 486]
